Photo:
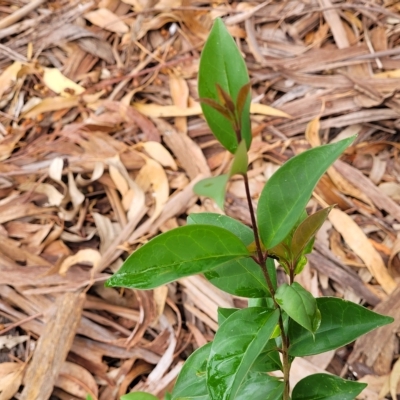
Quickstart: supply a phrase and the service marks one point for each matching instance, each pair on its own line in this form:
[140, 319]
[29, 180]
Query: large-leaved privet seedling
[281, 322]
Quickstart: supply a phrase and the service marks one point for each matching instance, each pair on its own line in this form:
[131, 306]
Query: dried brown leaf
[106, 19]
[358, 242]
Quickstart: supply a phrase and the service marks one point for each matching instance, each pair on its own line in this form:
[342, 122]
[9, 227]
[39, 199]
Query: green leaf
[180, 252]
[307, 230]
[299, 304]
[237, 344]
[260, 386]
[221, 63]
[242, 231]
[168, 396]
[138, 396]
[224, 313]
[287, 192]
[301, 263]
[191, 382]
[213, 188]
[341, 322]
[240, 160]
[326, 387]
[242, 277]
[282, 251]
[261, 302]
[269, 359]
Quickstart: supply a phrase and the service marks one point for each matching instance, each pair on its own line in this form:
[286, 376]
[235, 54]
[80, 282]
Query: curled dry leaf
[98, 171]
[11, 375]
[344, 186]
[9, 76]
[180, 96]
[81, 257]
[359, 243]
[77, 381]
[263, 109]
[8, 144]
[158, 111]
[106, 19]
[51, 104]
[56, 169]
[60, 84]
[160, 154]
[54, 197]
[133, 197]
[391, 189]
[394, 251]
[152, 174]
[394, 379]
[11, 341]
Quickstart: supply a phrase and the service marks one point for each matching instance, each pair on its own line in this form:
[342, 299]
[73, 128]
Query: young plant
[281, 322]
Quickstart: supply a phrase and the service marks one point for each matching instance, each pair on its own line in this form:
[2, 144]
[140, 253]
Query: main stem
[261, 260]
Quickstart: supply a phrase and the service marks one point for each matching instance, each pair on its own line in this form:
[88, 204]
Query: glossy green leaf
[282, 251]
[168, 396]
[237, 344]
[269, 359]
[341, 322]
[307, 230]
[221, 63]
[299, 304]
[242, 277]
[138, 396]
[326, 387]
[191, 382]
[260, 386]
[224, 313]
[261, 302]
[240, 160]
[301, 263]
[287, 192]
[272, 272]
[214, 188]
[242, 231]
[180, 252]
